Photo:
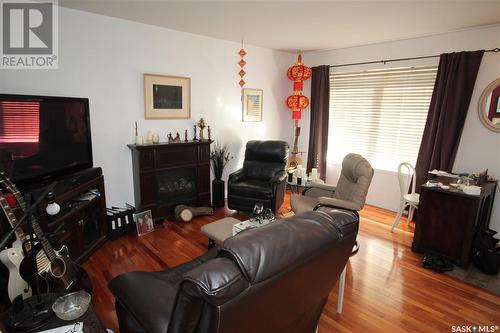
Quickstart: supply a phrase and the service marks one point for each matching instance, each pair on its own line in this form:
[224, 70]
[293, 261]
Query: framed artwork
[252, 104]
[144, 222]
[167, 97]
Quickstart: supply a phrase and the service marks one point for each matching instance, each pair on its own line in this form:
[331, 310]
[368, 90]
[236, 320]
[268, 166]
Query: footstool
[218, 231]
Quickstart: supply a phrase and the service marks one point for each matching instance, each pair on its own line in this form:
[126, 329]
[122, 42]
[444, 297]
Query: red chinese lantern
[298, 73]
[296, 103]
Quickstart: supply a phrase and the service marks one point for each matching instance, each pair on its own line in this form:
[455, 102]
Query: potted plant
[219, 158]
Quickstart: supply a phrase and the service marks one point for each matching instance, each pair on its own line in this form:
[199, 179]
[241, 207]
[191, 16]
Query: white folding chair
[406, 174]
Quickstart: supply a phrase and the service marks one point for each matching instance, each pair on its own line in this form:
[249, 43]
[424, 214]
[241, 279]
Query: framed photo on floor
[167, 97]
[252, 104]
[144, 222]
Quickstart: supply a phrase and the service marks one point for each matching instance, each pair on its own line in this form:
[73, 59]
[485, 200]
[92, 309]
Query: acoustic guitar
[58, 272]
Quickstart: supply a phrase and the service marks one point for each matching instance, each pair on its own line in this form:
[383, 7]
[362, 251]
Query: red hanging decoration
[296, 103]
[242, 63]
[298, 73]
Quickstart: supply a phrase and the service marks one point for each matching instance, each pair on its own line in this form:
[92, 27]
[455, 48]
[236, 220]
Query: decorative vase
[218, 193]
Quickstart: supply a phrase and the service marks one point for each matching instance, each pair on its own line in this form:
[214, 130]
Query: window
[19, 121]
[379, 114]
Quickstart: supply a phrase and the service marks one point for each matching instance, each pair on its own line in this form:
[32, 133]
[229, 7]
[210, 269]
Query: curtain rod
[495, 50]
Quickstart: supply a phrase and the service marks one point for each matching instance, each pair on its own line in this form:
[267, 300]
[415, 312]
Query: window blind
[19, 121]
[379, 114]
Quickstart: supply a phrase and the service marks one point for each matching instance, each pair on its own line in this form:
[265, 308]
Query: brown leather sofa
[274, 278]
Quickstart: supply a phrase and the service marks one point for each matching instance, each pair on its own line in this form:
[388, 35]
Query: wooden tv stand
[81, 224]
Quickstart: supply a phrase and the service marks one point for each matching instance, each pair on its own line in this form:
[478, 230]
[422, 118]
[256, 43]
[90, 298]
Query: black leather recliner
[272, 279]
[262, 178]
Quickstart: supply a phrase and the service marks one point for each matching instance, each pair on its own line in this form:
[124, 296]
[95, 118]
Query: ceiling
[302, 25]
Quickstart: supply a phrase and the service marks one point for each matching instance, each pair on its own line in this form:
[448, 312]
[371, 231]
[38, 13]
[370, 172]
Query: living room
[106, 52]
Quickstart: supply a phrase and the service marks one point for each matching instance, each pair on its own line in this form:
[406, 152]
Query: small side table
[296, 188]
[91, 323]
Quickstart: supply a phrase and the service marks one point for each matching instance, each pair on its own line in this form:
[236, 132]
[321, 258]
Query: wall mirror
[489, 106]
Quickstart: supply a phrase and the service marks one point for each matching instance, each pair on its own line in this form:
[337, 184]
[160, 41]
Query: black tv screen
[43, 137]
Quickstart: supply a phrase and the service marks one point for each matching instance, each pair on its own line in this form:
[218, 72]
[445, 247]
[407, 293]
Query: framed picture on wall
[252, 104]
[167, 97]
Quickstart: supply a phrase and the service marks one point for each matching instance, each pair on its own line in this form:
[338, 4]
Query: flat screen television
[43, 137]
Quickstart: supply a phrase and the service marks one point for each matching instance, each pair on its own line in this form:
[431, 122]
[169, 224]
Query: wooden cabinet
[81, 224]
[169, 174]
[448, 220]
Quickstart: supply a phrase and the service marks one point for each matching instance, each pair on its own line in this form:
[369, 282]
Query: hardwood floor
[387, 290]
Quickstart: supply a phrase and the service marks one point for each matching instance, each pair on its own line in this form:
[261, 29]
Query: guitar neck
[47, 247]
[19, 197]
[9, 214]
[295, 148]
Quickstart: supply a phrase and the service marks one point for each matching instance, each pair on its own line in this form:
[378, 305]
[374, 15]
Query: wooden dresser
[448, 219]
[169, 174]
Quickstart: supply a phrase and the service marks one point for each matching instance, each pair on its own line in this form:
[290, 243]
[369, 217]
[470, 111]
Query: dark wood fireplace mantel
[169, 174]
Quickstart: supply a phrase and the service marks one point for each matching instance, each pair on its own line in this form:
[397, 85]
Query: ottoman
[218, 231]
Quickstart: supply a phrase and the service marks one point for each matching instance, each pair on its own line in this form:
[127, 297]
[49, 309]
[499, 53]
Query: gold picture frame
[167, 97]
[253, 104]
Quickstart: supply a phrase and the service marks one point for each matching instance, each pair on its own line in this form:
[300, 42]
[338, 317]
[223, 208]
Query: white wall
[479, 148]
[104, 59]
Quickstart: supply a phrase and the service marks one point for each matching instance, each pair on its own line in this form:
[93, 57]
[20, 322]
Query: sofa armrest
[278, 177]
[338, 203]
[236, 176]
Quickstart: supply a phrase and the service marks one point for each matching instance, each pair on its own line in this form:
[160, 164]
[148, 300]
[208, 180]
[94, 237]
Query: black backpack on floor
[485, 253]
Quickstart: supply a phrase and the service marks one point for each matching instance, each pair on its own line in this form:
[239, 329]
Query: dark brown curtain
[318, 133]
[447, 112]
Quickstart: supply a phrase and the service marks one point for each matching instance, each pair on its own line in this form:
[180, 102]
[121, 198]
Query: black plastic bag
[485, 253]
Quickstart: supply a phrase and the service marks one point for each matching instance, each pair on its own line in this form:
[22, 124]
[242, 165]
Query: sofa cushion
[259, 251]
[263, 159]
[253, 188]
[149, 312]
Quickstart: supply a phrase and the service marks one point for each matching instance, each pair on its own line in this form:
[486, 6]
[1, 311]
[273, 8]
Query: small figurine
[170, 138]
[209, 133]
[194, 137]
[185, 135]
[177, 137]
[202, 124]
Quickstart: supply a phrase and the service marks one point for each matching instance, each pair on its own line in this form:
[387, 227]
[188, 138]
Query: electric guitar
[58, 272]
[12, 257]
[293, 159]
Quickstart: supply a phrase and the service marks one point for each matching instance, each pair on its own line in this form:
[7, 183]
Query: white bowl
[72, 306]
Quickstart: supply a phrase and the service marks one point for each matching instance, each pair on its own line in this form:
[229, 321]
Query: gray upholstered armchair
[350, 192]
